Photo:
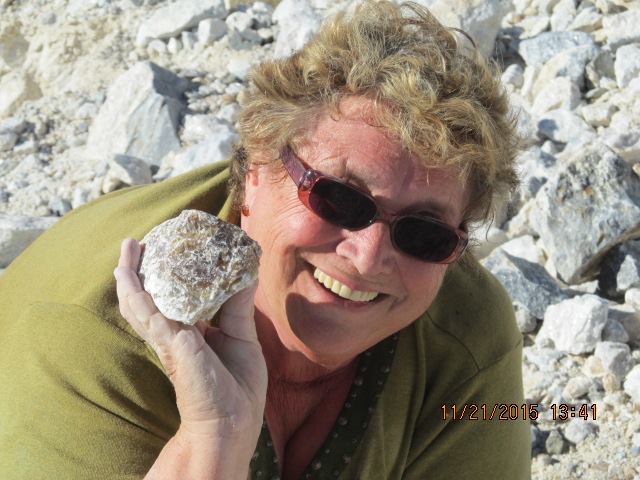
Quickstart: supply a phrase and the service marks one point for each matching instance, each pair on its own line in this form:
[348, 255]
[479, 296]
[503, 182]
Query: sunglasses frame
[306, 178]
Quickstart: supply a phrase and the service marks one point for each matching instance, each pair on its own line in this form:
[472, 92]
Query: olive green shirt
[83, 397]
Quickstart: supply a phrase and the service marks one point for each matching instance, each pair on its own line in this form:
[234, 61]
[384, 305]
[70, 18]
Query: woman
[363, 159]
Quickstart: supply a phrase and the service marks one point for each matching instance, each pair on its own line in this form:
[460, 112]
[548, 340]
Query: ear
[251, 184]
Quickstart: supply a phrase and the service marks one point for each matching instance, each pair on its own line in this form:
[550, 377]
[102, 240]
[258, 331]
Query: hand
[219, 373]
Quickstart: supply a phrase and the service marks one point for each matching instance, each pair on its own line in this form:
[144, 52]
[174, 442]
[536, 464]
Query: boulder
[528, 284]
[574, 325]
[297, 22]
[140, 115]
[589, 206]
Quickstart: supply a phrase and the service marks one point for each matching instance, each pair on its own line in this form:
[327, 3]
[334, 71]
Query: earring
[244, 209]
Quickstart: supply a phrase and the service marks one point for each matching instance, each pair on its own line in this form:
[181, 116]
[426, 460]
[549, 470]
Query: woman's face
[308, 317]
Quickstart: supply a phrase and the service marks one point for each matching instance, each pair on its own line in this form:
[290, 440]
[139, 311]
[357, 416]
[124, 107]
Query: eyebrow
[432, 207]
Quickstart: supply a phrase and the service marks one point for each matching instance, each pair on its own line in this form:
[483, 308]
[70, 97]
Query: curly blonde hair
[439, 97]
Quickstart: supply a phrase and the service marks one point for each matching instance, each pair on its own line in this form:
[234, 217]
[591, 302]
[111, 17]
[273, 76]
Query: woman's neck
[292, 368]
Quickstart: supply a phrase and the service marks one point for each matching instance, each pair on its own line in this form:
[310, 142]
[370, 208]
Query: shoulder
[475, 311]
[73, 262]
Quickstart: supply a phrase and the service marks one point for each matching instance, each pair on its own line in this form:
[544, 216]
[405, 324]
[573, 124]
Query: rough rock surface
[193, 263]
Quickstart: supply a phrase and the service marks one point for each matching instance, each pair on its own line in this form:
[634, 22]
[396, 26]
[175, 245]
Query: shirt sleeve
[81, 398]
[496, 445]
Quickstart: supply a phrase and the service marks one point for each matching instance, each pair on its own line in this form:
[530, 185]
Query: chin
[324, 343]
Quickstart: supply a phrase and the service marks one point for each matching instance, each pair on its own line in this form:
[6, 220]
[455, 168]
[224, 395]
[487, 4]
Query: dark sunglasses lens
[341, 205]
[424, 239]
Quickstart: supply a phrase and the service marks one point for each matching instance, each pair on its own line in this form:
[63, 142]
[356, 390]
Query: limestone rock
[632, 384]
[194, 262]
[540, 49]
[575, 325]
[297, 23]
[622, 28]
[627, 64]
[614, 356]
[479, 18]
[140, 116]
[592, 204]
[172, 19]
[15, 89]
[577, 430]
[527, 283]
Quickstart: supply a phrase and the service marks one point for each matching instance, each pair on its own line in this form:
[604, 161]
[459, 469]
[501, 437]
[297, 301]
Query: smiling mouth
[342, 290]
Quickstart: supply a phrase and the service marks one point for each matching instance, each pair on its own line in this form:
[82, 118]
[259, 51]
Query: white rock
[525, 320]
[174, 46]
[632, 297]
[488, 240]
[15, 125]
[129, 170]
[563, 14]
[564, 126]
[229, 113]
[577, 387]
[557, 93]
[629, 318]
[217, 147]
[545, 6]
[627, 64]
[17, 232]
[577, 429]
[15, 89]
[575, 325]
[533, 25]
[632, 384]
[615, 357]
[239, 68]
[189, 40]
[261, 13]
[622, 28]
[157, 46]
[614, 331]
[587, 20]
[240, 28]
[174, 18]
[598, 114]
[210, 30]
[199, 127]
[525, 247]
[569, 63]
[297, 22]
[140, 115]
[513, 75]
[7, 141]
[479, 18]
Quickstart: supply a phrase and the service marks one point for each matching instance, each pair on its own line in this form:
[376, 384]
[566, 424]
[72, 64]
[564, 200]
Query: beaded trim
[337, 450]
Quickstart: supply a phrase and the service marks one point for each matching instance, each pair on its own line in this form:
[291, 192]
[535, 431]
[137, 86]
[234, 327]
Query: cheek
[279, 222]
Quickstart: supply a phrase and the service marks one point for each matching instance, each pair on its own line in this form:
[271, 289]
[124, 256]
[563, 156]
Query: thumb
[236, 318]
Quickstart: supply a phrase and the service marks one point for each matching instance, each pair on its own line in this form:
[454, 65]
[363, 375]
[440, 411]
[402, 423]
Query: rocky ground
[100, 94]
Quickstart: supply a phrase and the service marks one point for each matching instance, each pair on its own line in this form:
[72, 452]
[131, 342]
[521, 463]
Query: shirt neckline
[340, 445]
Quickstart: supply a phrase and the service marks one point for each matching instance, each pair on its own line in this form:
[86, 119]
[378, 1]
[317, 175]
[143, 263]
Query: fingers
[237, 315]
[130, 251]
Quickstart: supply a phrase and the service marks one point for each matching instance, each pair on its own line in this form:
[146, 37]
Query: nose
[370, 250]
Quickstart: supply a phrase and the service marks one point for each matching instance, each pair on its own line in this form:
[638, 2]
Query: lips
[342, 290]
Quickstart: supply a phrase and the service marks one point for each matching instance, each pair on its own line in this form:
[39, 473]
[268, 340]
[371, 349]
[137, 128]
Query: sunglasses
[344, 205]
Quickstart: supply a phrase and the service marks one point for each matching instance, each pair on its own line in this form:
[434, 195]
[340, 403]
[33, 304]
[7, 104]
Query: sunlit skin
[305, 331]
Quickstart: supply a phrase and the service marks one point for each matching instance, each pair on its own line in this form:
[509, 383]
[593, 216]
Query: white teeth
[342, 290]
